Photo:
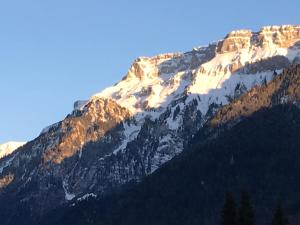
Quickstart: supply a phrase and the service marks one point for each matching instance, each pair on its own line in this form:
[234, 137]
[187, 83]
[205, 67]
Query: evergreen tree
[229, 215]
[279, 217]
[265, 82]
[246, 214]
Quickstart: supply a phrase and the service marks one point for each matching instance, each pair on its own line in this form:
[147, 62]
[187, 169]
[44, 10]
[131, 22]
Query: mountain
[257, 152]
[131, 129]
[9, 147]
[192, 190]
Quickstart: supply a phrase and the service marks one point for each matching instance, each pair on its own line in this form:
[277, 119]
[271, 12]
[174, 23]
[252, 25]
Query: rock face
[235, 40]
[280, 36]
[87, 125]
[129, 130]
[267, 37]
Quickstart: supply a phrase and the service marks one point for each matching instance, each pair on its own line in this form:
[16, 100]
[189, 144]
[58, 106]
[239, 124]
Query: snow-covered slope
[9, 147]
[154, 82]
[208, 74]
[129, 130]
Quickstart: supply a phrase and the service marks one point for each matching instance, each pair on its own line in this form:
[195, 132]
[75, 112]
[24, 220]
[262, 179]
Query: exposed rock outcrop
[268, 37]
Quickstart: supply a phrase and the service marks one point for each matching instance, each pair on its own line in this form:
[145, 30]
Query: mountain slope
[255, 150]
[128, 131]
[283, 89]
[260, 154]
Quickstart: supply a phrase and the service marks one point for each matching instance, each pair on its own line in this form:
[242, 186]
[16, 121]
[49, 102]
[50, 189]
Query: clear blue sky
[57, 51]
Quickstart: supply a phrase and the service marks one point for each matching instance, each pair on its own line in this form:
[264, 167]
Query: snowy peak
[153, 82]
[211, 72]
[9, 147]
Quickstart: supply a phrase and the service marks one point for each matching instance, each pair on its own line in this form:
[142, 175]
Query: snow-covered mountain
[129, 130]
[9, 147]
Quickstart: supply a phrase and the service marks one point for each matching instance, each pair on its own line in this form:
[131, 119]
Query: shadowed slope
[260, 154]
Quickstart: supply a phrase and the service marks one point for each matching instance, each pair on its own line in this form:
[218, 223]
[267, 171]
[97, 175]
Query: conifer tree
[229, 215]
[279, 217]
[245, 214]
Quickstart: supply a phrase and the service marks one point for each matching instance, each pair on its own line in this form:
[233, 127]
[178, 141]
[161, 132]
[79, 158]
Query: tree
[246, 214]
[229, 215]
[279, 217]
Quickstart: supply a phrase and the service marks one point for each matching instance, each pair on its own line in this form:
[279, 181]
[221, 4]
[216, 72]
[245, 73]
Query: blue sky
[55, 52]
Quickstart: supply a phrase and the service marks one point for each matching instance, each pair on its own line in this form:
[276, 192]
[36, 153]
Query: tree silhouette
[229, 215]
[245, 214]
[279, 217]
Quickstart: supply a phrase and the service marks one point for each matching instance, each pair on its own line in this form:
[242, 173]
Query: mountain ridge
[128, 131]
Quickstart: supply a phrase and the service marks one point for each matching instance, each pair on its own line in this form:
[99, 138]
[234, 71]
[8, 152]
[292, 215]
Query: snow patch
[175, 123]
[47, 129]
[68, 196]
[9, 147]
[87, 196]
[6, 163]
[80, 104]
[164, 142]
[130, 133]
[216, 89]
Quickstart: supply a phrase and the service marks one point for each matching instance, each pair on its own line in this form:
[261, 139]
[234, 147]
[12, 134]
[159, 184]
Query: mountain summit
[131, 129]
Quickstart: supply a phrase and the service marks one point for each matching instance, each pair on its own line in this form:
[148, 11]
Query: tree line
[244, 213]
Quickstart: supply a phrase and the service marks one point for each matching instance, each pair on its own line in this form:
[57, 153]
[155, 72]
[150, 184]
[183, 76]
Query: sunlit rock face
[6, 180]
[144, 67]
[235, 40]
[280, 36]
[88, 125]
[129, 130]
[267, 37]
